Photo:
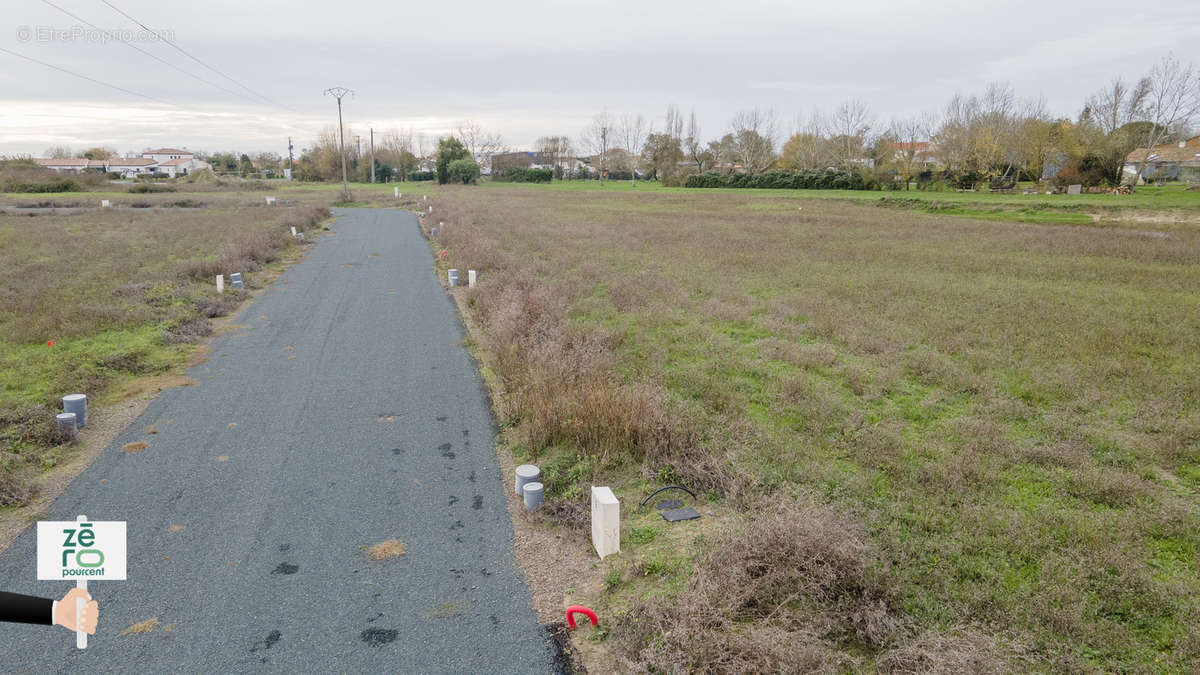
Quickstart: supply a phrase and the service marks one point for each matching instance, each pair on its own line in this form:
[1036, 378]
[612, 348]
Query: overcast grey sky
[531, 68]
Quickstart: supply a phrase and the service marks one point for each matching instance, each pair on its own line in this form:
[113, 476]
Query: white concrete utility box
[606, 522]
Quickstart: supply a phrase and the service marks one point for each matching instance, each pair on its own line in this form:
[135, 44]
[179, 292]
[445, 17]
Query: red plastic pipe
[580, 609]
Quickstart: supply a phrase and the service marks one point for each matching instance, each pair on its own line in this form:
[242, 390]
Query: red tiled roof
[1169, 152]
[65, 161]
[126, 161]
[176, 162]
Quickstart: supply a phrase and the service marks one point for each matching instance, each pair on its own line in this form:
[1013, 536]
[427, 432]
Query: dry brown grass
[941, 653]
[141, 627]
[783, 592]
[137, 446]
[1009, 412]
[387, 550]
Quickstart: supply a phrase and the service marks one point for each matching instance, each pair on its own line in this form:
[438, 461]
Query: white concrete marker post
[220, 283]
[95, 551]
[104, 203]
[293, 230]
[396, 191]
[606, 522]
[470, 278]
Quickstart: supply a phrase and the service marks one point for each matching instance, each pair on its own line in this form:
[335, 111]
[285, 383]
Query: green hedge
[520, 174]
[421, 175]
[48, 185]
[785, 180]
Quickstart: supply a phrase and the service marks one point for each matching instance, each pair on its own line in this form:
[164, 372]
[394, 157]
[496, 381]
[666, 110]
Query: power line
[113, 36]
[85, 77]
[183, 51]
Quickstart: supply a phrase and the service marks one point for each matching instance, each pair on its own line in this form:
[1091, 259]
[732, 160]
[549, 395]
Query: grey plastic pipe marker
[66, 423]
[527, 473]
[76, 403]
[533, 495]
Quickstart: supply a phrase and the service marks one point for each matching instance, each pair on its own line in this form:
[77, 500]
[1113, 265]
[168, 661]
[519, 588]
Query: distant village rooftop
[170, 161]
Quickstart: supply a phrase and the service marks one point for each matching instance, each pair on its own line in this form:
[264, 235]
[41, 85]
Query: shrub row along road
[341, 412]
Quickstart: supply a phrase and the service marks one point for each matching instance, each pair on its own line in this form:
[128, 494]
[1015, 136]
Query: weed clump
[780, 592]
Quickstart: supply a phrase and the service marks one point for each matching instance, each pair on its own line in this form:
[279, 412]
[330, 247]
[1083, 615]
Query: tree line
[988, 136]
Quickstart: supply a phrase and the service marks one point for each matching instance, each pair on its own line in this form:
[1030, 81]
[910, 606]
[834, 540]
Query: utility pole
[291, 162]
[372, 156]
[338, 93]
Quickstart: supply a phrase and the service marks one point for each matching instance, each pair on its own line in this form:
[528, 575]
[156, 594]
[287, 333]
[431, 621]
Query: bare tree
[59, 152]
[558, 149]
[849, 126]
[1117, 104]
[481, 143]
[694, 146]
[631, 136]
[754, 136]
[1172, 101]
[672, 136]
[807, 147]
[598, 138]
[910, 137]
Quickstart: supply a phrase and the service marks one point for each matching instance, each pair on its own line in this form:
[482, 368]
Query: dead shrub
[558, 382]
[963, 651]
[188, 330]
[127, 362]
[1114, 488]
[211, 308]
[15, 490]
[818, 401]
[1071, 453]
[793, 574]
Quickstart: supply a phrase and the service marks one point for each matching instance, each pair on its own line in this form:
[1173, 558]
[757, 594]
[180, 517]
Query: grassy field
[929, 441]
[91, 298]
[954, 443]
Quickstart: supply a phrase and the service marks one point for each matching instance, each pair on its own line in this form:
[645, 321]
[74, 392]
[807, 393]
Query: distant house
[924, 153]
[170, 161]
[1169, 161]
[65, 164]
[126, 166]
[168, 154]
[503, 161]
[181, 166]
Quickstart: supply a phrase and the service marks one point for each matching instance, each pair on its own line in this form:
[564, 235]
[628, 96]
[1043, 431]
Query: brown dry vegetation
[122, 293]
[387, 550]
[998, 424]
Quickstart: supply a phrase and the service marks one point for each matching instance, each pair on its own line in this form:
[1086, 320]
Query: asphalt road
[343, 413]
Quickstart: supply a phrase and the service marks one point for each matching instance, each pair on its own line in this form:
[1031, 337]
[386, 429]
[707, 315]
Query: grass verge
[91, 300]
